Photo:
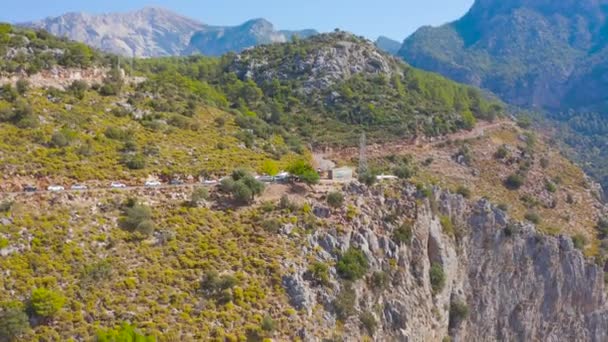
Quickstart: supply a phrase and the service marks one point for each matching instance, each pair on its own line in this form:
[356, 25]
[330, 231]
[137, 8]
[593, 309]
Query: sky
[392, 18]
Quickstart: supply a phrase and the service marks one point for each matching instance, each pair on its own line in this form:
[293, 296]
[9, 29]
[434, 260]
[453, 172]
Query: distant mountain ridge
[156, 32]
[388, 45]
[218, 40]
[532, 53]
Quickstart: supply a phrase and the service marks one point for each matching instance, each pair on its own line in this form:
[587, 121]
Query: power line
[363, 167]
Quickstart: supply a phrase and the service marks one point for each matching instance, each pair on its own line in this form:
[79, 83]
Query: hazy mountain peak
[218, 40]
[388, 45]
[157, 31]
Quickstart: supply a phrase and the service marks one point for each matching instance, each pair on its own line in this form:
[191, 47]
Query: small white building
[341, 174]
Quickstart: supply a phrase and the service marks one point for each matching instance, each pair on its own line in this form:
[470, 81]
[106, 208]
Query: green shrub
[243, 186]
[304, 171]
[368, 178]
[9, 93]
[24, 117]
[6, 205]
[514, 181]
[380, 280]
[198, 196]
[135, 162]
[138, 219]
[22, 86]
[271, 225]
[117, 134]
[524, 122]
[579, 241]
[447, 225]
[459, 311]
[465, 154]
[46, 303]
[126, 333]
[344, 304]
[335, 199]
[464, 191]
[533, 217]
[403, 171]
[268, 324]
[78, 89]
[145, 228]
[424, 191]
[501, 153]
[319, 272]
[352, 265]
[544, 163]
[437, 276]
[13, 323]
[368, 322]
[220, 121]
[550, 186]
[59, 140]
[219, 287]
[403, 234]
[97, 272]
[602, 227]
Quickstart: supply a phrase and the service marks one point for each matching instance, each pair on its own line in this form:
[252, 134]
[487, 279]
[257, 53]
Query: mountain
[531, 53]
[388, 45]
[145, 33]
[216, 41]
[330, 83]
[155, 32]
[488, 232]
[550, 56]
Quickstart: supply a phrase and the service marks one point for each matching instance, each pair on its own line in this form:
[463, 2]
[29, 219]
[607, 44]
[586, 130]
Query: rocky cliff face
[515, 284]
[149, 32]
[325, 60]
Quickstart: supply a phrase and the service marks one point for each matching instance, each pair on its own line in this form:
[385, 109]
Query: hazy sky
[393, 18]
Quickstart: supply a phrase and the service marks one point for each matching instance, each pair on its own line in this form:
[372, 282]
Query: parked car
[55, 188]
[265, 179]
[176, 182]
[30, 188]
[282, 177]
[117, 185]
[152, 184]
[78, 187]
[209, 182]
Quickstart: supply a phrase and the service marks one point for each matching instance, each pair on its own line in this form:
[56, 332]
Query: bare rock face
[517, 284]
[154, 32]
[144, 33]
[337, 57]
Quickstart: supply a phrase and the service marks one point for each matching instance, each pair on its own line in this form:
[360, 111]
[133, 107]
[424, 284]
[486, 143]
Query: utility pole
[363, 168]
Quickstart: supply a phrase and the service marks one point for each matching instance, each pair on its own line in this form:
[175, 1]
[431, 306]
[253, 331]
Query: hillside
[103, 125]
[484, 232]
[545, 56]
[330, 83]
[155, 32]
